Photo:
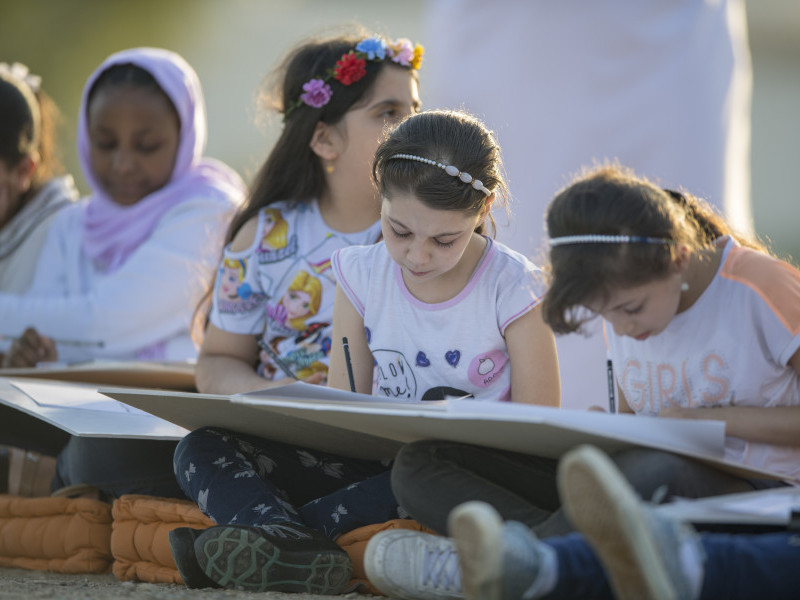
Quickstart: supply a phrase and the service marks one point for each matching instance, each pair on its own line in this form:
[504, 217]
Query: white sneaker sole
[602, 505]
[477, 531]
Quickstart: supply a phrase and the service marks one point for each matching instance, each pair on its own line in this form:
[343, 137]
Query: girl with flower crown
[279, 507]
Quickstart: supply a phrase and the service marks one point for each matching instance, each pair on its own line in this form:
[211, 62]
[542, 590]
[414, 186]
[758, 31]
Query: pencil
[611, 398]
[274, 356]
[349, 364]
[94, 343]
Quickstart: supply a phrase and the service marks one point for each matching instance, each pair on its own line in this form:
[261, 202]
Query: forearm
[777, 425]
[218, 374]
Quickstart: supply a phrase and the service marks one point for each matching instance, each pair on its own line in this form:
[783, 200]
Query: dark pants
[430, 478]
[118, 466]
[21, 430]
[243, 479]
[737, 567]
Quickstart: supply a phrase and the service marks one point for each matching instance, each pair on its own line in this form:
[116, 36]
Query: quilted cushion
[140, 541]
[66, 535]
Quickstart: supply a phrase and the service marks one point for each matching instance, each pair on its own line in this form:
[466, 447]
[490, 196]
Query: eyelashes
[397, 234]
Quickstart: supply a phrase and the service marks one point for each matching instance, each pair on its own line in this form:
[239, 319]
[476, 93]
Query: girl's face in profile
[642, 311]
[134, 134]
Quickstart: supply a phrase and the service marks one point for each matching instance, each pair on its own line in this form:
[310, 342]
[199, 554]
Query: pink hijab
[111, 232]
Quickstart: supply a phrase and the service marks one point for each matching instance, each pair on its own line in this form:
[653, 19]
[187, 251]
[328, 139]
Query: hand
[29, 349]
[317, 378]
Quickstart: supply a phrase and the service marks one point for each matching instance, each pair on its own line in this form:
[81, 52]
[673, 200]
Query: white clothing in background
[22, 238]
[147, 302]
[664, 86]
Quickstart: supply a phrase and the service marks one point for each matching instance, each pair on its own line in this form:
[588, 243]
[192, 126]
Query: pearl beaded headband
[449, 169]
[607, 239]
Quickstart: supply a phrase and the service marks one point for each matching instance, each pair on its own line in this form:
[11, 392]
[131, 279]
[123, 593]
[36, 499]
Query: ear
[22, 173]
[487, 207]
[681, 262]
[325, 141]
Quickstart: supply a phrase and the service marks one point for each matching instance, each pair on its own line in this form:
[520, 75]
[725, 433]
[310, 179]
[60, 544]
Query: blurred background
[233, 45]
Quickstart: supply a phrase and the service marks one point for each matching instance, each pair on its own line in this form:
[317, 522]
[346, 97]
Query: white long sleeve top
[141, 310]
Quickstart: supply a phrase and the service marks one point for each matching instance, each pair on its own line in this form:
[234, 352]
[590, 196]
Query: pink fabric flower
[317, 93]
[402, 51]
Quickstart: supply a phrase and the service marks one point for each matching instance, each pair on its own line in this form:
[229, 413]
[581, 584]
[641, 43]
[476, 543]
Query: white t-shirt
[730, 348]
[429, 351]
[281, 288]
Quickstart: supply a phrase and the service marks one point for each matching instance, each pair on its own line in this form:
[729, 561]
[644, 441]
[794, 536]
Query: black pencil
[612, 405]
[349, 364]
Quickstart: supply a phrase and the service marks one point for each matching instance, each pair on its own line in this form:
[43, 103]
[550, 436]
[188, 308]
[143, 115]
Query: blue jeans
[243, 479]
[118, 466]
[738, 566]
[432, 477]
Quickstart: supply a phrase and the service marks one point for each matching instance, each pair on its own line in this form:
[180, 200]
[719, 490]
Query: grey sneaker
[499, 561]
[645, 555]
[412, 565]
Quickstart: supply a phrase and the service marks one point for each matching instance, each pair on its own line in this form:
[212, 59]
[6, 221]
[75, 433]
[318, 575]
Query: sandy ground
[18, 584]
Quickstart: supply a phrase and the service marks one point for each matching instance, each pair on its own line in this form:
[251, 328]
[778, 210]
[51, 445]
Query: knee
[648, 469]
[412, 464]
[193, 442]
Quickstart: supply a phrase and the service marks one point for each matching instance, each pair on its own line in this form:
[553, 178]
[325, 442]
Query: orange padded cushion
[140, 539]
[66, 535]
[140, 536]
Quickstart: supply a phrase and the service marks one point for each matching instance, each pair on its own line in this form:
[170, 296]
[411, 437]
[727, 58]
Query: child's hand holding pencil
[29, 349]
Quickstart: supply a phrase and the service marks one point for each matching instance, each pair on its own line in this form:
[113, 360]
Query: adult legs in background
[117, 466]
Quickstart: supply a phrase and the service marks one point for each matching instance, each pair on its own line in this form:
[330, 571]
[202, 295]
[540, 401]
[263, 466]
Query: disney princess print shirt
[281, 288]
[450, 349]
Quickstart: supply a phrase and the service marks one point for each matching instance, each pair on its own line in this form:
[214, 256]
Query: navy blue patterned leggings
[246, 480]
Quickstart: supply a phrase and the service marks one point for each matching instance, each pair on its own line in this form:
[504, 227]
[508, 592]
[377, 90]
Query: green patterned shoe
[284, 557]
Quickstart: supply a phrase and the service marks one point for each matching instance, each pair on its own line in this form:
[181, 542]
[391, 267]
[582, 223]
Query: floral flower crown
[352, 66]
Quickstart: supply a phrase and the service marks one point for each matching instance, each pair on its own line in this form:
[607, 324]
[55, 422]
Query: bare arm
[624, 407]
[226, 364]
[348, 323]
[776, 425]
[534, 362]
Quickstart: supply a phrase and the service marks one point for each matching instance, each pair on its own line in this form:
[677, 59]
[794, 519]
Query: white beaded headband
[449, 169]
[607, 239]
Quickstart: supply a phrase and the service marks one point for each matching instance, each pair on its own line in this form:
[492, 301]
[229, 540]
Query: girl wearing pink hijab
[121, 271]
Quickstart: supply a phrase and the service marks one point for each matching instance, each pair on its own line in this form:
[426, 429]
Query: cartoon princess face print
[297, 304]
[275, 230]
[231, 276]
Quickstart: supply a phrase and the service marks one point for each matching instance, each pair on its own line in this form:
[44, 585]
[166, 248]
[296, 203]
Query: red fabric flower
[349, 69]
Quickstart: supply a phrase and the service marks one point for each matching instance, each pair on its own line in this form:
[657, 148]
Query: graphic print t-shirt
[430, 351]
[730, 348]
[281, 289]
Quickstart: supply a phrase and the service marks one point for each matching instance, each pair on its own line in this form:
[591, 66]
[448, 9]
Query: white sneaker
[412, 565]
[644, 555]
[499, 561]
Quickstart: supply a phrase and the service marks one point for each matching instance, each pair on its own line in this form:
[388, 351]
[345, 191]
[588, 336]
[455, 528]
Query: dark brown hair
[450, 138]
[27, 126]
[292, 171]
[612, 200]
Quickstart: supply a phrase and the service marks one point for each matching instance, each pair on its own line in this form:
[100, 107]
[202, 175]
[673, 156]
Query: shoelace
[440, 569]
